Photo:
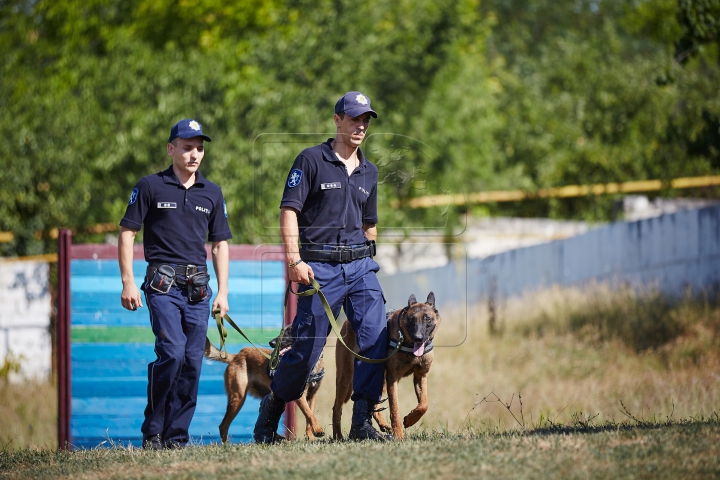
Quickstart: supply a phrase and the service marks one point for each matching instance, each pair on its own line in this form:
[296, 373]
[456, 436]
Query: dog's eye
[411, 318]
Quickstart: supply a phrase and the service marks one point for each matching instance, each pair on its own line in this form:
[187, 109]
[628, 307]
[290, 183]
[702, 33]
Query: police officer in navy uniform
[178, 207]
[330, 205]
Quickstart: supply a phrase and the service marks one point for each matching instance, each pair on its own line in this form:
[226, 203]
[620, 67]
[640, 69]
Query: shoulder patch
[225, 209]
[294, 178]
[133, 196]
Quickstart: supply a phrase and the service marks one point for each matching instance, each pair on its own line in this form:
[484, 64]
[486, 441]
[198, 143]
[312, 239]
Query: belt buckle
[190, 270]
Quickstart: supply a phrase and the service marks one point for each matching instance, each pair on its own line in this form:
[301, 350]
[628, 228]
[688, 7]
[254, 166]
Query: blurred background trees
[472, 96]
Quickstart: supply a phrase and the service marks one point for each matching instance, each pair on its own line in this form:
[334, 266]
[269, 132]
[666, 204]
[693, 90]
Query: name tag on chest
[167, 205]
[330, 186]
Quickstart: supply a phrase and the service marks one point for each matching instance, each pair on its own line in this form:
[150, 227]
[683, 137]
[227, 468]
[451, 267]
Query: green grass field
[690, 450]
[573, 383]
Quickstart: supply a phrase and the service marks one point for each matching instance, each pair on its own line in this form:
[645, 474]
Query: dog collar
[409, 347]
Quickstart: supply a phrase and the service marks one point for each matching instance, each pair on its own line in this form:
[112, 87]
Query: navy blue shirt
[333, 206]
[176, 218]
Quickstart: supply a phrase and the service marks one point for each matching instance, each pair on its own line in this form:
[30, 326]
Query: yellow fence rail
[568, 191]
[430, 201]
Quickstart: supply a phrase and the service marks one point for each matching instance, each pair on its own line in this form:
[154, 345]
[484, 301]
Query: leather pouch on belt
[197, 286]
[163, 278]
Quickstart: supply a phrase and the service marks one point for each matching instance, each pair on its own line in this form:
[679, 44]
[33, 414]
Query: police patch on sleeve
[133, 196]
[225, 209]
[294, 178]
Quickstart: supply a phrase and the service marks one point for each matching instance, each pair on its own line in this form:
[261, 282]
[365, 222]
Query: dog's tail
[213, 353]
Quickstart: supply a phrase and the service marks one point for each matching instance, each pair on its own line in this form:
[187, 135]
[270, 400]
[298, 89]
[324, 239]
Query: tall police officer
[330, 204]
[178, 207]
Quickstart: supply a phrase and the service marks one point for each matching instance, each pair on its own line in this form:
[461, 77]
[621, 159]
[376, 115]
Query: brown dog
[418, 323]
[247, 372]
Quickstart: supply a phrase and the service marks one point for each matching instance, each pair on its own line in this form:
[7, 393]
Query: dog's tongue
[419, 349]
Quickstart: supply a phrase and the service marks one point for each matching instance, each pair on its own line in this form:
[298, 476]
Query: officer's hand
[131, 298]
[301, 273]
[221, 304]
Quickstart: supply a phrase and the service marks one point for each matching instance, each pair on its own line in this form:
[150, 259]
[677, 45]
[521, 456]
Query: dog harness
[406, 347]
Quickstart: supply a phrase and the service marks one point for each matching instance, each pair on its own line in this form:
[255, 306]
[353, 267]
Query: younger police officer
[330, 204]
[177, 207]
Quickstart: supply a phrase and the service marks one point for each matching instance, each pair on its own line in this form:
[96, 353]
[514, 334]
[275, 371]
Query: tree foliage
[472, 96]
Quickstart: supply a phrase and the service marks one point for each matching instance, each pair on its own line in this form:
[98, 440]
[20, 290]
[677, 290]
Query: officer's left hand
[220, 303]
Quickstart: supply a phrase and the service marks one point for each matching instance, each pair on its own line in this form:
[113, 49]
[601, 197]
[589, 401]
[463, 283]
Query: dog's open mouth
[419, 349]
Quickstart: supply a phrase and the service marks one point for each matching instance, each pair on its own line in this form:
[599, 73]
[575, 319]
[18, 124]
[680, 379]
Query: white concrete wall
[673, 251]
[25, 317]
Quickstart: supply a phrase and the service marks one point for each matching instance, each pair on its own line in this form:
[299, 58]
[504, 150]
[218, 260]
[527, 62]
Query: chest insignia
[167, 205]
[364, 191]
[203, 210]
[330, 186]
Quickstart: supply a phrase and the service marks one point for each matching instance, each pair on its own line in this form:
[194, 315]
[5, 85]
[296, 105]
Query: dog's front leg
[420, 381]
[313, 428]
[392, 384]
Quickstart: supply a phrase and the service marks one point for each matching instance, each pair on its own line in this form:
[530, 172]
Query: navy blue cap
[354, 104]
[187, 128]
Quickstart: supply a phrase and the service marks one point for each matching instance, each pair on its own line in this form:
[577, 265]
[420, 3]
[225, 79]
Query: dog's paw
[410, 420]
[385, 428]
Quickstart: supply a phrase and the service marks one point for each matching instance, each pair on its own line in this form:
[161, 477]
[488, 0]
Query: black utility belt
[193, 278]
[181, 269]
[339, 254]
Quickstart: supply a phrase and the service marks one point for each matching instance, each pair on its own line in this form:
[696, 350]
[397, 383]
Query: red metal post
[63, 339]
[290, 312]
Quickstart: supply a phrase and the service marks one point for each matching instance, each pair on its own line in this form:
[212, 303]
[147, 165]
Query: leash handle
[315, 290]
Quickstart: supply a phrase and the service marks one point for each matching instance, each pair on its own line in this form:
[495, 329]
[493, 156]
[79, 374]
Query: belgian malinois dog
[249, 372]
[418, 323]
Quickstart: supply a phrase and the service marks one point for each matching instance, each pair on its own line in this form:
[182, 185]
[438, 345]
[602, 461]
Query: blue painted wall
[109, 364]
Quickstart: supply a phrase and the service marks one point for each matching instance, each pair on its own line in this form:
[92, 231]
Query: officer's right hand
[301, 273]
[130, 297]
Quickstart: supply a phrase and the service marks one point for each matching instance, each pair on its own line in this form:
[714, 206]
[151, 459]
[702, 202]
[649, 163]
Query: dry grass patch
[28, 415]
[570, 356]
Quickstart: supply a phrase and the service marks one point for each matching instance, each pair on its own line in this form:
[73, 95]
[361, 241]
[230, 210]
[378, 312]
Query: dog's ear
[431, 299]
[412, 300]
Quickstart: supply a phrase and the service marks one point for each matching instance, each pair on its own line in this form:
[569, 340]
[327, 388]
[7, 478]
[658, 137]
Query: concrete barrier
[673, 252]
[25, 318]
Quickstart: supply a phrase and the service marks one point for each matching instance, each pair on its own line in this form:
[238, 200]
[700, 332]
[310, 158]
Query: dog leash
[274, 357]
[315, 290]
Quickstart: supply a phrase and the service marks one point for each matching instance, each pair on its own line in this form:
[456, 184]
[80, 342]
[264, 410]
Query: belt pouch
[197, 286]
[163, 278]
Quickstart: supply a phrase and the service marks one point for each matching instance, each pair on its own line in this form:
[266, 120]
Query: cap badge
[361, 99]
[194, 125]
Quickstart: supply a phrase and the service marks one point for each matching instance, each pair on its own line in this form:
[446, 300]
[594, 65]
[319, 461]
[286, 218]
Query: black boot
[271, 409]
[361, 428]
[152, 442]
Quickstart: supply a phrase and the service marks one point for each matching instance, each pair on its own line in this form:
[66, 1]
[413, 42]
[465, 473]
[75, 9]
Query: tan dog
[418, 323]
[247, 372]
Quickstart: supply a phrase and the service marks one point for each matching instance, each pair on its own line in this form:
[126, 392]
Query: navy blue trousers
[180, 327]
[355, 287]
